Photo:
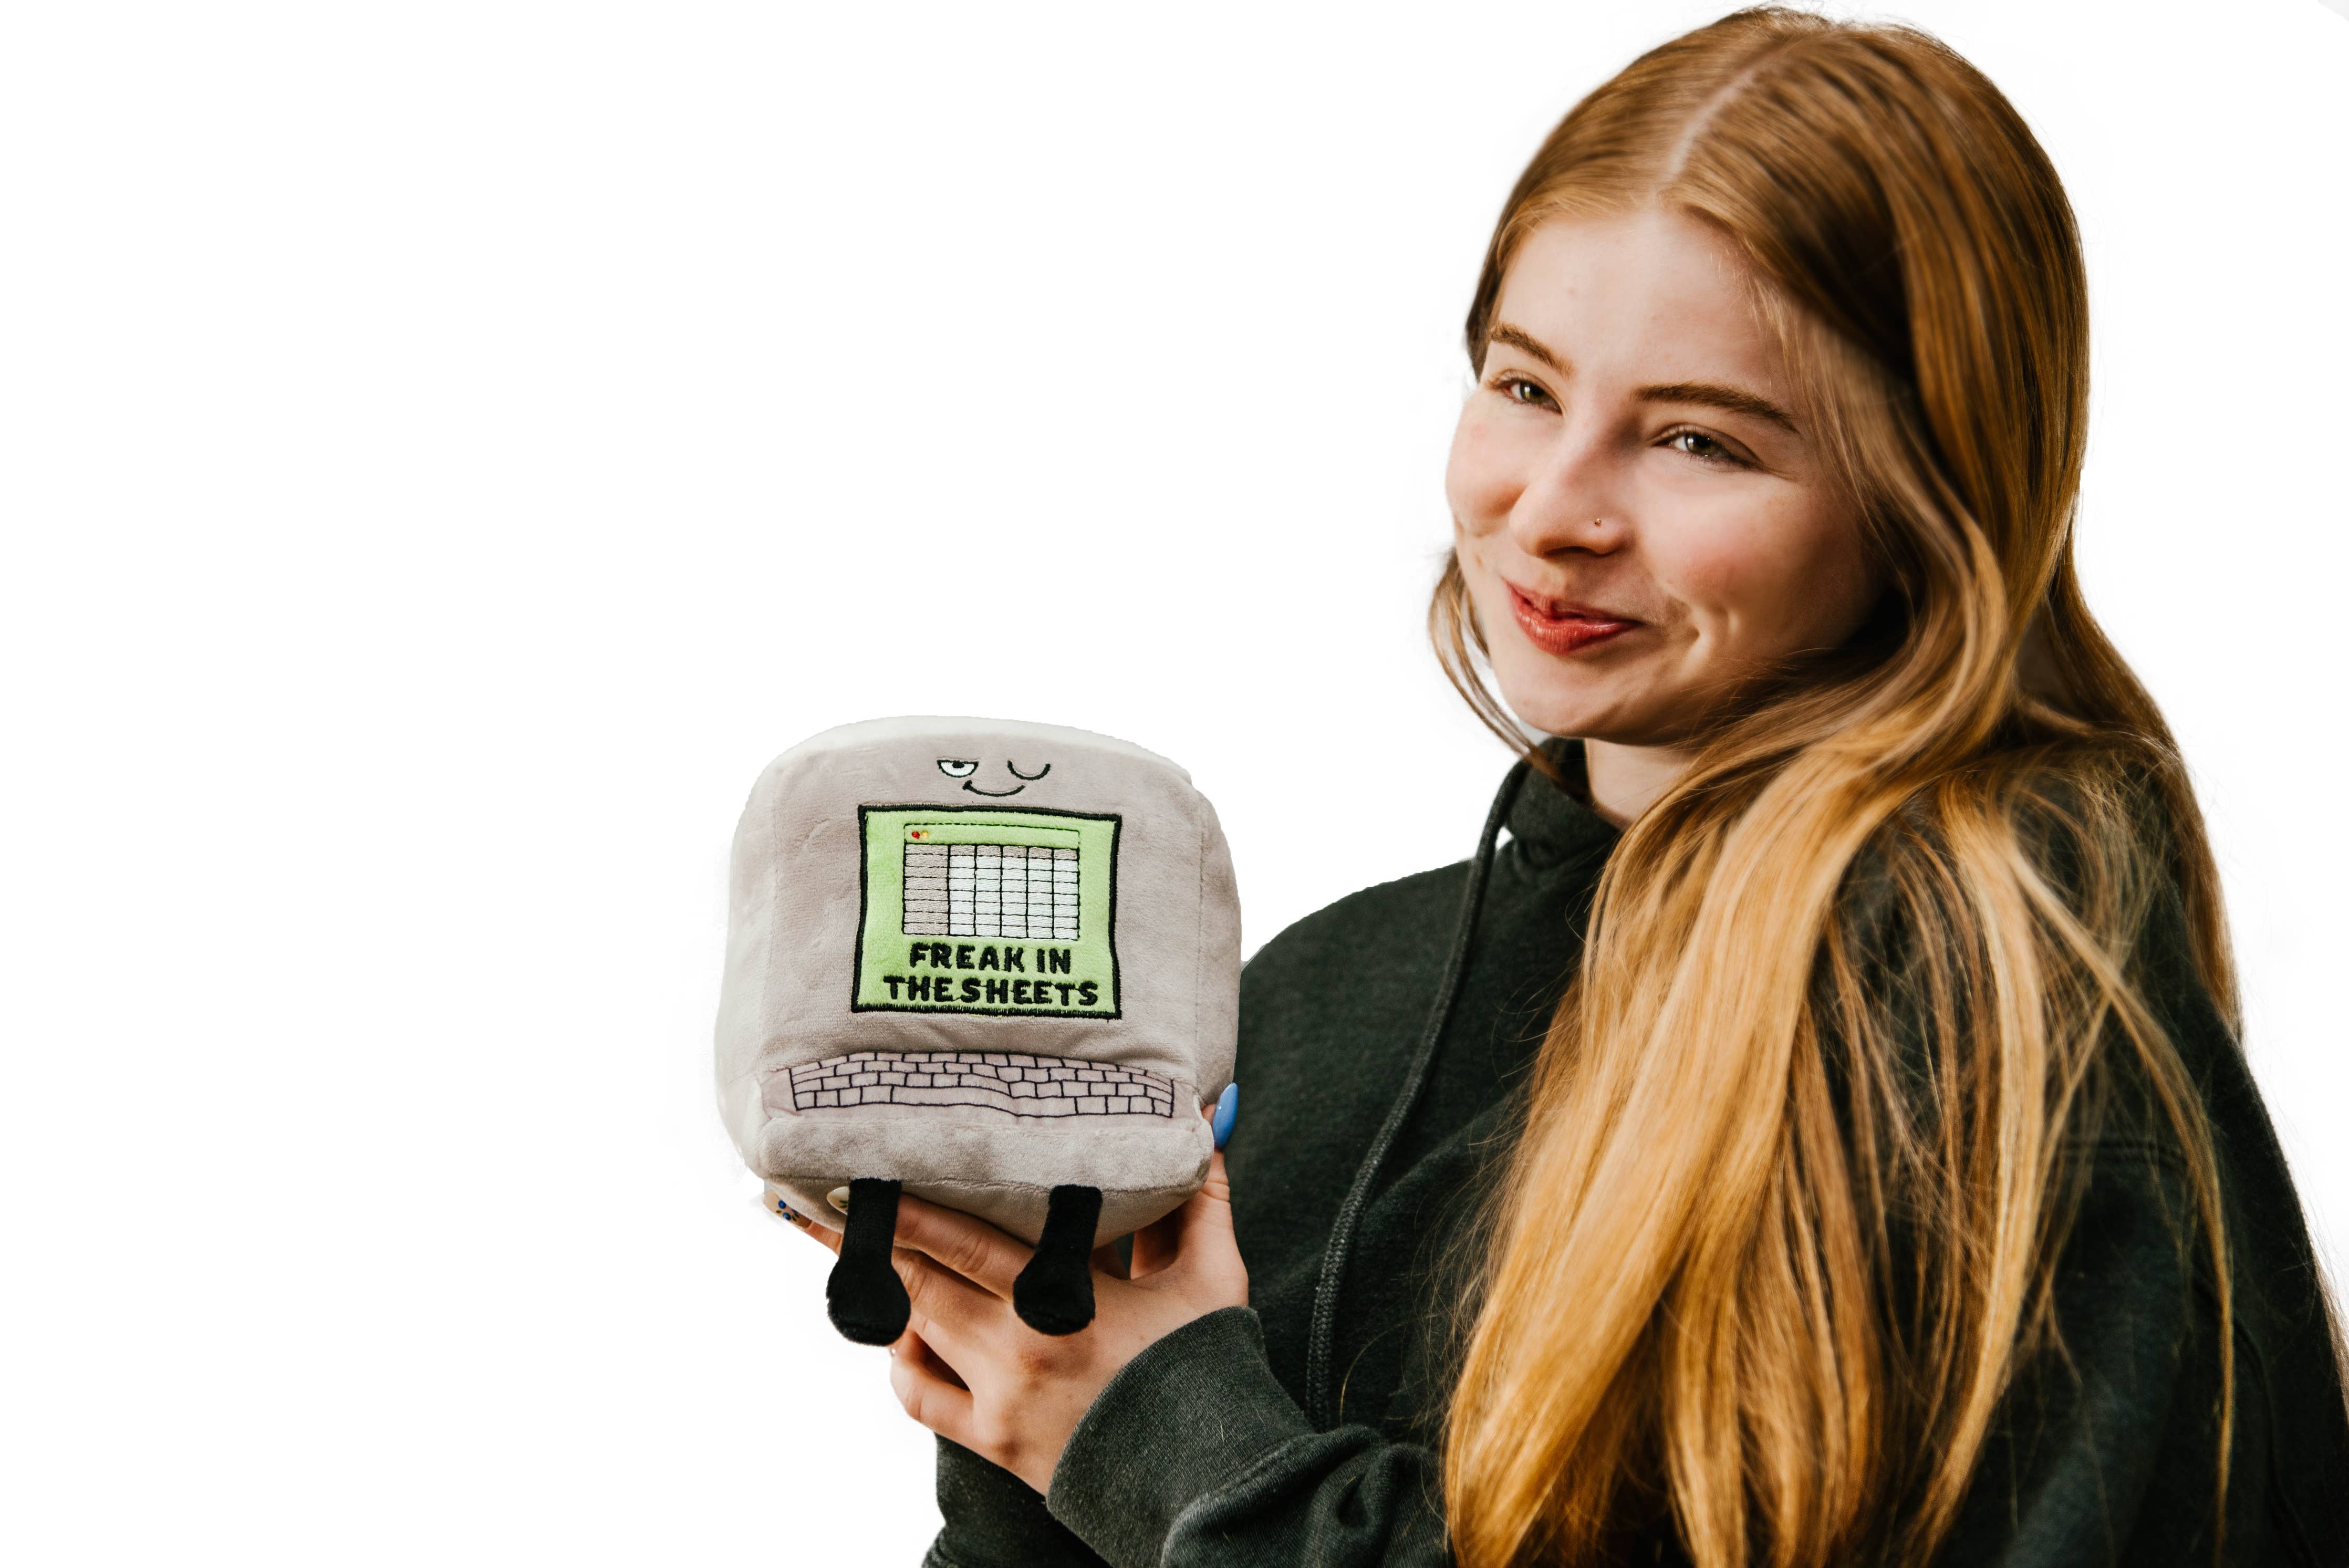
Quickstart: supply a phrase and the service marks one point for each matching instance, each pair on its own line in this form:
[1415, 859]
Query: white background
[448, 447]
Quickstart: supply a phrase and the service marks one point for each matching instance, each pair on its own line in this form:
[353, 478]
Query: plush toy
[991, 963]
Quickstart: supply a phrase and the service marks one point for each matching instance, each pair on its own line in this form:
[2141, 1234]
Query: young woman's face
[1637, 513]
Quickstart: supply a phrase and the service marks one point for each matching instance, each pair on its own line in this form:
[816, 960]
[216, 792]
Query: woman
[1817, 1135]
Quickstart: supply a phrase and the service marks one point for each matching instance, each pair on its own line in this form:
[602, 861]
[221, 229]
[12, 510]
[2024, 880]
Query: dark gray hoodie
[1384, 1042]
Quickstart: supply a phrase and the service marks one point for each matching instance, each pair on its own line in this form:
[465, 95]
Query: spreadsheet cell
[991, 890]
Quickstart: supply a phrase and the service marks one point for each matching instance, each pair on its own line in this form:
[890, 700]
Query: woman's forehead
[1651, 295]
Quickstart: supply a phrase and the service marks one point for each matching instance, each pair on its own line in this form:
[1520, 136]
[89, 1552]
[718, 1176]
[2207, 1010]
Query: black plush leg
[1054, 1294]
[864, 1296]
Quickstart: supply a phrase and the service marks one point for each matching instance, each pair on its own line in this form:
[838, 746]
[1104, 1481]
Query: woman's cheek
[1747, 580]
[1798, 586]
[1477, 477]
[1709, 581]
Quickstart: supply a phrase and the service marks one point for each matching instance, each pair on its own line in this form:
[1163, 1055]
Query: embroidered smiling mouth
[963, 767]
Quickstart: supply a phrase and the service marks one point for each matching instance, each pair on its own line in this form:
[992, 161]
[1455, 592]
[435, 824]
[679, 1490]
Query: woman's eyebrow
[1734, 400]
[1505, 332]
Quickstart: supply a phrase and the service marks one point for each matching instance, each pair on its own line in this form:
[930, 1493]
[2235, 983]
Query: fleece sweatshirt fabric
[1302, 1428]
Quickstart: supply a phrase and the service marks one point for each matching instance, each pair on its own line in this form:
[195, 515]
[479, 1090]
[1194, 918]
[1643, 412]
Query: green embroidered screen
[989, 911]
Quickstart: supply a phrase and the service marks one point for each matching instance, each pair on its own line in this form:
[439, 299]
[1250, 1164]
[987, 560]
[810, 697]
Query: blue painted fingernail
[1227, 1111]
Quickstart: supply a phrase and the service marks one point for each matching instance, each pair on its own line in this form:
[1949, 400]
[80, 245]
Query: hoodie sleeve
[1195, 1456]
[994, 1519]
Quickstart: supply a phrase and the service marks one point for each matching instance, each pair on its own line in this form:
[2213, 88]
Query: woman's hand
[970, 1371]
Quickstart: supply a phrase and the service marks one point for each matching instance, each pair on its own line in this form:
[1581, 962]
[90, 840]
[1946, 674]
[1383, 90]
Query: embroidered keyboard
[1024, 1085]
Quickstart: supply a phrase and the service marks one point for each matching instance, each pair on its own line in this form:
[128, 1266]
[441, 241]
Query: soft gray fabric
[829, 825]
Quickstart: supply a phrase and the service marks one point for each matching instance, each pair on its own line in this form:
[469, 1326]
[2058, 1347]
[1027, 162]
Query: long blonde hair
[1688, 1310]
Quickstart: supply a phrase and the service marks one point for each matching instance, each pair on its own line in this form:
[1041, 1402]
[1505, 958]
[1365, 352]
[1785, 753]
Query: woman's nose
[1573, 500]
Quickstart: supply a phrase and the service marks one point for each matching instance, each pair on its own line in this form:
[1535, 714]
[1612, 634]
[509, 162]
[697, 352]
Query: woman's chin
[1584, 716]
[1555, 707]
[1570, 720]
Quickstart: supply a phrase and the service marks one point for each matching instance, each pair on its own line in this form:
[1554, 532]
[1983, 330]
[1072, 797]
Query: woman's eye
[957, 769]
[1518, 390]
[1698, 444]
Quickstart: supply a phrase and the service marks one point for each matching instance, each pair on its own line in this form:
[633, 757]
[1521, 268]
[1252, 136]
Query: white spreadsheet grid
[991, 890]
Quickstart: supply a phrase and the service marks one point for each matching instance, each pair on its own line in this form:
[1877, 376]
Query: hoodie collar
[1554, 822]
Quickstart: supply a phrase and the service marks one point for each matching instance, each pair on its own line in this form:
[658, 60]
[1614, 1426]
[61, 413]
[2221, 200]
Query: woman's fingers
[937, 1298]
[1205, 1220]
[1218, 1187]
[1206, 1261]
[1154, 1244]
[972, 1247]
[949, 1311]
[829, 1238]
[926, 1355]
[915, 1377]
[946, 1306]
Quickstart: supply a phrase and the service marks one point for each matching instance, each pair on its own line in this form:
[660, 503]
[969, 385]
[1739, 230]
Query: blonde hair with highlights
[1689, 1309]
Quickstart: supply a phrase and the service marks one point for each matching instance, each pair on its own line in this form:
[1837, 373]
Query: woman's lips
[1557, 628]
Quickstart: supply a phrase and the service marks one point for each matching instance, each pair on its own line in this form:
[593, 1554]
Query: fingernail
[1227, 1111]
[838, 1198]
[789, 1213]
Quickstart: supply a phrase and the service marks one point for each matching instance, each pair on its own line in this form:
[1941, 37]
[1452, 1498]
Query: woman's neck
[1626, 780]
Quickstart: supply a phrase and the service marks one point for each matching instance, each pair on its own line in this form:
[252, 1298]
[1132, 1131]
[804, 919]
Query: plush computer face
[973, 774]
[988, 909]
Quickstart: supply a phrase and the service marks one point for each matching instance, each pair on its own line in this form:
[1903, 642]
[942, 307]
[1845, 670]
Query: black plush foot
[864, 1296]
[1054, 1294]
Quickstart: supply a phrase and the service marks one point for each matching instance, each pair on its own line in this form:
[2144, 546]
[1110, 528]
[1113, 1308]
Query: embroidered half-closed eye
[954, 768]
